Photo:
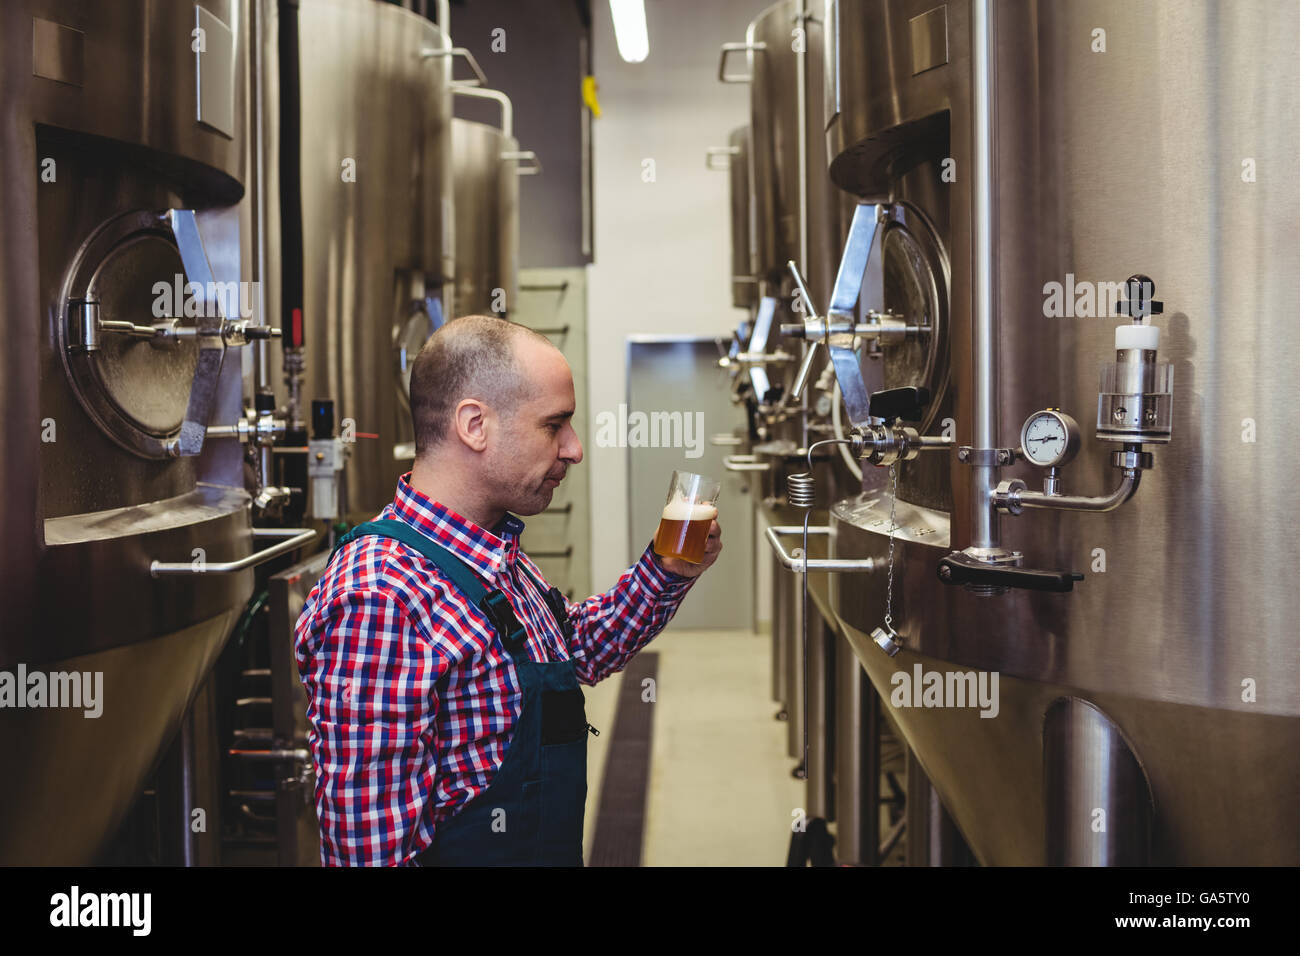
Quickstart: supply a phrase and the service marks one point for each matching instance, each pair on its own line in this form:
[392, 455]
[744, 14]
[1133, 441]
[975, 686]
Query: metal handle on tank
[526, 155]
[745, 463]
[460, 51]
[801, 563]
[728, 49]
[712, 155]
[293, 538]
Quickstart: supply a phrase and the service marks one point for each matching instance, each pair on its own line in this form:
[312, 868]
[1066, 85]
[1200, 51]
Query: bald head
[477, 357]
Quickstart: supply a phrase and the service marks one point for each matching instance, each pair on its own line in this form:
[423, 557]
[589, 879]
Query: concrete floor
[721, 793]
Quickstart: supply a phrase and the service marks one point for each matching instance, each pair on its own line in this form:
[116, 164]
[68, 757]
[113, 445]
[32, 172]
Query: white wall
[662, 249]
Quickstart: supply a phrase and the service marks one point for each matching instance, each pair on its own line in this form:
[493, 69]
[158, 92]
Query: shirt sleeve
[369, 676]
[609, 628]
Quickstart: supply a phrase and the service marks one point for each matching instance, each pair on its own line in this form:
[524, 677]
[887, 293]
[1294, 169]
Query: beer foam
[681, 510]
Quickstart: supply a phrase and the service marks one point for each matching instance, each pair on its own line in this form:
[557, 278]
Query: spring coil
[801, 490]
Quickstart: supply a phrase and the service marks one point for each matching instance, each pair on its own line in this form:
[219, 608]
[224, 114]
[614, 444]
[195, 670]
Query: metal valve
[884, 441]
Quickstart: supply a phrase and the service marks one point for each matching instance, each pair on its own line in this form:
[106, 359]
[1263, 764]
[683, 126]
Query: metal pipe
[801, 101]
[273, 755]
[891, 839]
[262, 348]
[801, 106]
[1091, 773]
[584, 147]
[444, 24]
[819, 678]
[187, 768]
[857, 760]
[1037, 499]
[507, 110]
[984, 521]
[931, 442]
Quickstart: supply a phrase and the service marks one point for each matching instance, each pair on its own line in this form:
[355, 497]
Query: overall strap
[493, 603]
[555, 602]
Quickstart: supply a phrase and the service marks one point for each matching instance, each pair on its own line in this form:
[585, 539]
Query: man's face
[537, 442]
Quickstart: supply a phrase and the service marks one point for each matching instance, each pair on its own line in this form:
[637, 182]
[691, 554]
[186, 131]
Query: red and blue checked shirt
[411, 698]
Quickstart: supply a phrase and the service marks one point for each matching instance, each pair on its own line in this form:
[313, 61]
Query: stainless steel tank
[487, 218]
[744, 283]
[123, 168]
[782, 173]
[378, 221]
[1159, 694]
[796, 215]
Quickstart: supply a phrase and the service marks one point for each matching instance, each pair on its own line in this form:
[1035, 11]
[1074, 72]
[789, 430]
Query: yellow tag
[589, 95]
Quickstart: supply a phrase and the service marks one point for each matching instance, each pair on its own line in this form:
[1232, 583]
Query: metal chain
[889, 586]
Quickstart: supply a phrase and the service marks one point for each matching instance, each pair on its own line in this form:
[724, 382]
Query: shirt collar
[486, 551]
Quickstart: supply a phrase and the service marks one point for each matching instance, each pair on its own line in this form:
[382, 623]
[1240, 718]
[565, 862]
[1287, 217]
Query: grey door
[677, 379]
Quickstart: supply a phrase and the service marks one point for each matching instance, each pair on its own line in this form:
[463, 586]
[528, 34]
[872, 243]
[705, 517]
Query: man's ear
[470, 419]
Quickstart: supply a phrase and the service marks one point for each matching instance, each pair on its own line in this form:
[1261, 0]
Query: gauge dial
[1050, 438]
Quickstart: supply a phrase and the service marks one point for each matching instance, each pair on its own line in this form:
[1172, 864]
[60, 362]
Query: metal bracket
[988, 457]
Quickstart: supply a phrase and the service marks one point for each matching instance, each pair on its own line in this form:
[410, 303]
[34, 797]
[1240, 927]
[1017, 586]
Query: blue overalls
[531, 814]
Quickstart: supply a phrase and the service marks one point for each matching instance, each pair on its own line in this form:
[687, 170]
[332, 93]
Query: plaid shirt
[411, 698]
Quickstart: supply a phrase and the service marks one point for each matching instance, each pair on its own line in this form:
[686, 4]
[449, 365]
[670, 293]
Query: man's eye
[554, 428]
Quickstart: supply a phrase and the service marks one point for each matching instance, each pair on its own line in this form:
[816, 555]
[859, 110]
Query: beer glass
[684, 525]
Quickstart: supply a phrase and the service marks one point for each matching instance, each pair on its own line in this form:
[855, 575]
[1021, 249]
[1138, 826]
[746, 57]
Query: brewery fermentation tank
[487, 219]
[124, 163]
[1158, 695]
[377, 220]
[486, 165]
[795, 215]
[744, 284]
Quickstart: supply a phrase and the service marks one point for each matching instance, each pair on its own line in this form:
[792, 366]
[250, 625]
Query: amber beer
[684, 525]
[684, 531]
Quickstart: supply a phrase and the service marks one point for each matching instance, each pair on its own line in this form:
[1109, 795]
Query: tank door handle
[211, 325]
[844, 303]
[811, 319]
[290, 539]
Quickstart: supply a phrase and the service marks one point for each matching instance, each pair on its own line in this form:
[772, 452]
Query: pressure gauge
[1050, 438]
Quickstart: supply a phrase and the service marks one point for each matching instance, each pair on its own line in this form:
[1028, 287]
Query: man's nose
[572, 450]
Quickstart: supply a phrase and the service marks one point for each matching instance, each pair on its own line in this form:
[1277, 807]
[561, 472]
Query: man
[447, 724]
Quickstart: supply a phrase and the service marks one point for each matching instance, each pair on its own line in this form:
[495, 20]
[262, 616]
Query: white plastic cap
[1137, 337]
